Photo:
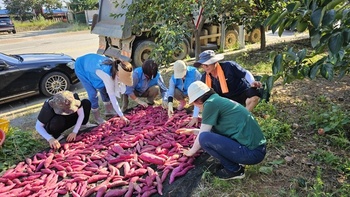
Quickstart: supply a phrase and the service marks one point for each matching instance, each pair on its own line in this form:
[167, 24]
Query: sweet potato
[159, 185]
[130, 190]
[48, 160]
[101, 191]
[7, 188]
[96, 178]
[115, 192]
[151, 158]
[149, 193]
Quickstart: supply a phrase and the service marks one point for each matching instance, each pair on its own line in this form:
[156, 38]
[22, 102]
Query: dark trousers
[59, 123]
[229, 152]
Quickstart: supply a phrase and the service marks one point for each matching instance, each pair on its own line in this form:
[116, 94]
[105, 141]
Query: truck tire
[255, 36]
[231, 39]
[142, 52]
[181, 54]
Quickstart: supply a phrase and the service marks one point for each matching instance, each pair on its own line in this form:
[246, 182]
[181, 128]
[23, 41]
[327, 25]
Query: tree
[328, 25]
[255, 13]
[81, 5]
[174, 21]
[21, 8]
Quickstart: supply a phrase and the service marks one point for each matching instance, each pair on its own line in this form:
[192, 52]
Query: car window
[13, 59]
[5, 20]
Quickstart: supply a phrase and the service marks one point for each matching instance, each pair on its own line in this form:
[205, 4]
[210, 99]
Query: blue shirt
[86, 66]
[141, 83]
[191, 76]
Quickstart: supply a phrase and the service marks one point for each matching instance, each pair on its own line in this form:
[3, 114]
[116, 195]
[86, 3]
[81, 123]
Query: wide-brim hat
[125, 76]
[208, 57]
[64, 103]
[196, 90]
[180, 69]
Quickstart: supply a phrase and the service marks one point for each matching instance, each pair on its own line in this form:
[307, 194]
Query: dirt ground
[293, 101]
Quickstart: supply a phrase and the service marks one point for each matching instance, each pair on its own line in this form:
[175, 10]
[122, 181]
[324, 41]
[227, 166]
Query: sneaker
[225, 174]
[87, 125]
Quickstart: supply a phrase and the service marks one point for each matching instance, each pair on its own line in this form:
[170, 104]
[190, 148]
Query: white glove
[170, 109]
[142, 103]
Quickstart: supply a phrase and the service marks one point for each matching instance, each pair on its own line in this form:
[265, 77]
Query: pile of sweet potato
[113, 159]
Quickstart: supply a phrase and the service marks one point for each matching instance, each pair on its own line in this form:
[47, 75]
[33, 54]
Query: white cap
[196, 90]
[179, 69]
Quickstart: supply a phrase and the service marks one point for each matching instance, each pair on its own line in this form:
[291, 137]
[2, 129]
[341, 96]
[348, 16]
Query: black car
[6, 24]
[24, 75]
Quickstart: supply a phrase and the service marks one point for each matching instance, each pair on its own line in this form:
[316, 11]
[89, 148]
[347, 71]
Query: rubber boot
[97, 116]
[125, 102]
[109, 111]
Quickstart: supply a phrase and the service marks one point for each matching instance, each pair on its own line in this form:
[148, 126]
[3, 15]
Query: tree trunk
[263, 37]
[198, 49]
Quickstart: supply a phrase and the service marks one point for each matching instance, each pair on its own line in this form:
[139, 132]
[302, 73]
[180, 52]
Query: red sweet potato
[96, 178]
[165, 174]
[138, 172]
[149, 193]
[151, 158]
[115, 192]
[7, 188]
[101, 191]
[159, 185]
[48, 160]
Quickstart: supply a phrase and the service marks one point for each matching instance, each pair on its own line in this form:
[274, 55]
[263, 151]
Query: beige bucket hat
[196, 90]
[64, 103]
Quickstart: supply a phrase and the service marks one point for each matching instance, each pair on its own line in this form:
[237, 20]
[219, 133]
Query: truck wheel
[231, 38]
[181, 53]
[255, 36]
[54, 82]
[142, 52]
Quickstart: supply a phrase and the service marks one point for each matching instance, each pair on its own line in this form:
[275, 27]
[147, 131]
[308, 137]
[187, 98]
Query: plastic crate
[4, 125]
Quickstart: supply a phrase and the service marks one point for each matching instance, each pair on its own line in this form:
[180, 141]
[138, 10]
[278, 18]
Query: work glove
[170, 109]
[142, 103]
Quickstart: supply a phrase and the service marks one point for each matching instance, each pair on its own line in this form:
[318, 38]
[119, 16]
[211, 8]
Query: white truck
[117, 40]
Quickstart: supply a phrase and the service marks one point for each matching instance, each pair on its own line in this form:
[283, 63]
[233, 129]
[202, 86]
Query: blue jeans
[229, 152]
[92, 92]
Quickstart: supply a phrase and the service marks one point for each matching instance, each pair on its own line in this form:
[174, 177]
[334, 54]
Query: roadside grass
[43, 24]
[285, 123]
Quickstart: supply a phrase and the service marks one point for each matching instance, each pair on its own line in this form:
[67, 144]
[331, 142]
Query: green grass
[19, 145]
[43, 24]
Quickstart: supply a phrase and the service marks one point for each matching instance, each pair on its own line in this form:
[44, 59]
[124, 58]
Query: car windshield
[10, 58]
